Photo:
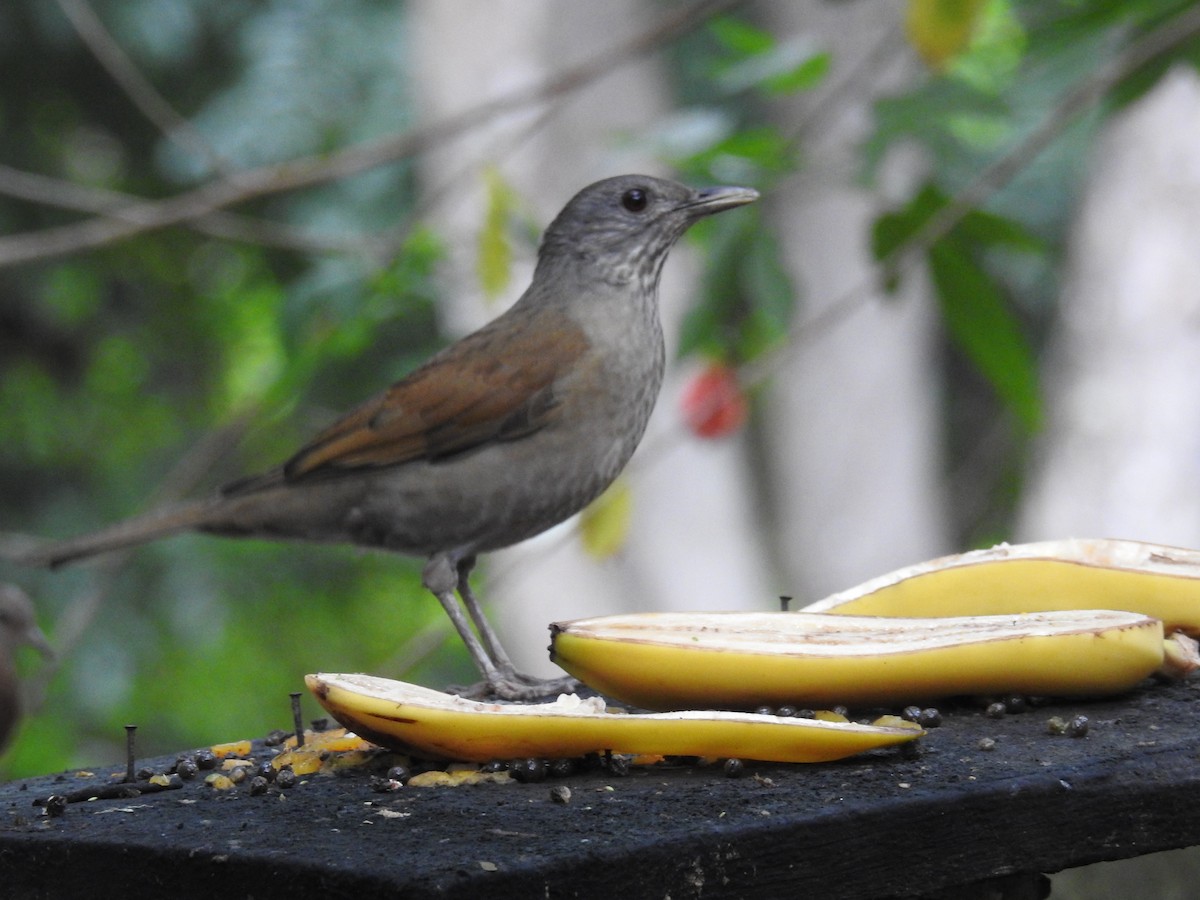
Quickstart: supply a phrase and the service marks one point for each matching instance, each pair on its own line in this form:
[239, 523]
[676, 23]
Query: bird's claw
[518, 686]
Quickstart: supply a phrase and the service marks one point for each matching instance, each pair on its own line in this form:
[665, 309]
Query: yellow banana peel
[411, 718]
[1158, 581]
[743, 660]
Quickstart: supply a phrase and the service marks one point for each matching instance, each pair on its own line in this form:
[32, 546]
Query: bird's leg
[518, 685]
[491, 640]
[439, 578]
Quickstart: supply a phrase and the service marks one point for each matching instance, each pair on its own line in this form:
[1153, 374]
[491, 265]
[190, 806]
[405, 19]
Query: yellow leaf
[604, 525]
[494, 265]
[939, 30]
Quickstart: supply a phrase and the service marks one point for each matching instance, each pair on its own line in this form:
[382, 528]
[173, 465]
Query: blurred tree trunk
[1120, 456]
[693, 542]
[851, 422]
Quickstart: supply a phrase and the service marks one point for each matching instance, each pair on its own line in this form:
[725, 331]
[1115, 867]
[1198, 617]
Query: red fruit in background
[714, 404]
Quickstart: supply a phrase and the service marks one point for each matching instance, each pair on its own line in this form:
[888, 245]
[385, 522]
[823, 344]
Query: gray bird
[18, 627]
[495, 439]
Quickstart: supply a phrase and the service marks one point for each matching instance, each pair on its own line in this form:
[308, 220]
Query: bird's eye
[634, 200]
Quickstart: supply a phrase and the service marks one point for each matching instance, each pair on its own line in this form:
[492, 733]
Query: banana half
[743, 660]
[410, 718]
[1158, 581]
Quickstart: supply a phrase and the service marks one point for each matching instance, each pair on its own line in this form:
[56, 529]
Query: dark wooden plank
[878, 826]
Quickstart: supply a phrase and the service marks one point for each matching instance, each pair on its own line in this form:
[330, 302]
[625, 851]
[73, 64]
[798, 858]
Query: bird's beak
[714, 199]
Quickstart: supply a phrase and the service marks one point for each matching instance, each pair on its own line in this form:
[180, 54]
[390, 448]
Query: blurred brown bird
[18, 627]
[495, 439]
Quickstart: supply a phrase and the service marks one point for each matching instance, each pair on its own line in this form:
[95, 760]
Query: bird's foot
[518, 686]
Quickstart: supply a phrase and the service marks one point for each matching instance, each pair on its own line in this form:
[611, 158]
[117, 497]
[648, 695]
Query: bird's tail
[42, 553]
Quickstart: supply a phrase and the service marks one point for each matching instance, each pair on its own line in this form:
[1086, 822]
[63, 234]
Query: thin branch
[137, 87]
[57, 192]
[308, 171]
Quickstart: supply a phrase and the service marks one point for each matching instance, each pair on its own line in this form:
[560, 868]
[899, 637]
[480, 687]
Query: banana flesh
[411, 718]
[743, 660]
[1154, 580]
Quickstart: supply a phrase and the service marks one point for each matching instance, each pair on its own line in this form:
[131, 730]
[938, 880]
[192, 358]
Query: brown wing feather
[495, 384]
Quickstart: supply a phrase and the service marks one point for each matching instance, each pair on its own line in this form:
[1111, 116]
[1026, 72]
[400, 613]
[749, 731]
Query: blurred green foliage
[117, 363]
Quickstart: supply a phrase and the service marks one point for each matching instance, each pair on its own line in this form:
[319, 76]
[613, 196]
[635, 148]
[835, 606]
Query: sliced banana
[411, 718]
[743, 660]
[1158, 581]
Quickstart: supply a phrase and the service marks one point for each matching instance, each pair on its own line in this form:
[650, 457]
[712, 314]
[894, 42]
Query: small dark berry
[205, 759]
[930, 718]
[399, 773]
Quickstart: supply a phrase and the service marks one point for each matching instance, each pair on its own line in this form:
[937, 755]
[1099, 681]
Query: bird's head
[623, 227]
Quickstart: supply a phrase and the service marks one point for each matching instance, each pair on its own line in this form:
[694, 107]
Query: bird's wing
[494, 385]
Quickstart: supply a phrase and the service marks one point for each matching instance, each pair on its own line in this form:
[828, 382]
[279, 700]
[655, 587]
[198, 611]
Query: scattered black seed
[841, 711]
[276, 737]
[186, 768]
[593, 762]
[911, 713]
[930, 717]
[1016, 703]
[56, 806]
[618, 766]
[265, 770]
[258, 785]
[1078, 726]
[528, 771]
[145, 773]
[786, 712]
[764, 711]
[238, 774]
[987, 743]
[734, 767]
[205, 759]
[399, 773]
[806, 714]
[285, 777]
[383, 785]
[996, 710]
[1056, 725]
[496, 765]
[560, 793]
[561, 768]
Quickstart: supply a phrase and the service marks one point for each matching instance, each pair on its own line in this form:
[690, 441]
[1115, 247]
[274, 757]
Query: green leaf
[989, 229]
[494, 265]
[604, 524]
[982, 325]
[802, 77]
[741, 37]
